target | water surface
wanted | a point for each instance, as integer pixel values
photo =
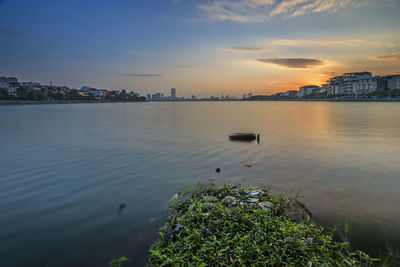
(66, 168)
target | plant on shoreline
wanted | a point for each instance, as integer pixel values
(242, 226)
(118, 262)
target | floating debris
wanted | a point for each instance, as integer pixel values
(242, 137)
(266, 205)
(228, 200)
(255, 192)
(246, 164)
(252, 200)
(218, 170)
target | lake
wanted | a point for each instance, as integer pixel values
(66, 168)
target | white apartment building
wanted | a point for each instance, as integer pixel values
(393, 82)
(364, 86)
(354, 84)
(307, 90)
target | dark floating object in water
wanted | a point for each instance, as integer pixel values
(246, 164)
(218, 170)
(122, 206)
(258, 138)
(242, 137)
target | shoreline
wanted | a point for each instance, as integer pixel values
(38, 102)
(28, 102)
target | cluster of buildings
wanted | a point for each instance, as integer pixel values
(160, 96)
(353, 84)
(172, 97)
(33, 91)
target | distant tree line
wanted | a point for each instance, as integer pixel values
(44, 94)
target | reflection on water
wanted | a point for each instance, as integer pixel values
(65, 169)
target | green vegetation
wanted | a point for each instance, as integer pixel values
(242, 226)
(118, 262)
(23, 93)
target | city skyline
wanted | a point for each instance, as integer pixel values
(201, 48)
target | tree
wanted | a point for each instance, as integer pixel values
(3, 93)
(22, 93)
(395, 93)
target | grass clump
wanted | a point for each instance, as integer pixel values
(242, 226)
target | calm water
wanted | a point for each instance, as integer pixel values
(66, 168)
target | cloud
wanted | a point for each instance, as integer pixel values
(236, 10)
(298, 63)
(391, 57)
(323, 43)
(260, 10)
(248, 49)
(149, 75)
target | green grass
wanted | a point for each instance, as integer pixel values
(206, 230)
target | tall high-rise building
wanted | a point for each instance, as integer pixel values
(173, 93)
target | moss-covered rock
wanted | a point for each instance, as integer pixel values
(242, 226)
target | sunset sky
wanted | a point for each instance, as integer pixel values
(199, 47)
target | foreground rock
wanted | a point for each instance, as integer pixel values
(242, 226)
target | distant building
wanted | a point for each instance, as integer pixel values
(290, 93)
(328, 89)
(8, 82)
(355, 84)
(156, 97)
(173, 93)
(30, 84)
(358, 83)
(308, 89)
(393, 82)
(148, 97)
(87, 88)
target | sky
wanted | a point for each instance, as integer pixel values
(199, 47)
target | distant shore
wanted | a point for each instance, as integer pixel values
(38, 102)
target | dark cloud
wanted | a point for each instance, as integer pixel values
(246, 49)
(141, 74)
(390, 57)
(298, 63)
